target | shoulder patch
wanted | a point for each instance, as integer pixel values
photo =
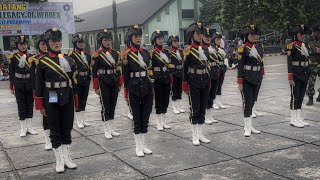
(240, 49)
(187, 50)
(125, 53)
(10, 56)
(289, 46)
(125, 62)
(96, 53)
(69, 53)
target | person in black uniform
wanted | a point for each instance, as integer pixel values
(250, 73)
(221, 54)
(21, 73)
(82, 60)
(196, 80)
(213, 67)
(137, 72)
(299, 73)
(41, 46)
(107, 80)
(56, 96)
(161, 74)
(176, 59)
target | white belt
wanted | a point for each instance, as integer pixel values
(197, 71)
(221, 63)
(176, 66)
(83, 73)
(22, 76)
(160, 69)
(138, 74)
(213, 64)
(300, 63)
(109, 71)
(56, 84)
(252, 68)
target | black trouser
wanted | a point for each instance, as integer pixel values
(108, 100)
(162, 96)
(257, 93)
(60, 120)
(83, 92)
(176, 88)
(25, 103)
(249, 94)
(212, 93)
(45, 123)
(198, 99)
(141, 108)
(297, 93)
(220, 82)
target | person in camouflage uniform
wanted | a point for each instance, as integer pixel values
(314, 51)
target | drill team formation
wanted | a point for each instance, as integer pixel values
(58, 84)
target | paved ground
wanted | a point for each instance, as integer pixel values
(280, 152)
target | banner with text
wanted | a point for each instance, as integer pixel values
(36, 18)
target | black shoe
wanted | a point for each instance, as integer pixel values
(318, 98)
(310, 101)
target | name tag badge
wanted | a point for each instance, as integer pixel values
(53, 97)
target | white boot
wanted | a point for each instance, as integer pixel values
(175, 109)
(207, 119)
(159, 122)
(113, 133)
(211, 112)
(67, 160)
(84, 118)
(163, 121)
(107, 132)
(79, 120)
(59, 159)
(253, 131)
(144, 147)
(219, 102)
(130, 116)
(48, 145)
(300, 119)
(247, 129)
(215, 106)
(294, 121)
(195, 135)
(139, 151)
(30, 128)
(255, 112)
(201, 136)
(180, 105)
(24, 130)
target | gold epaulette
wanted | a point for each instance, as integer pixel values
(240, 48)
(118, 52)
(125, 53)
(11, 56)
(151, 52)
(96, 53)
(289, 46)
(31, 59)
(69, 53)
(150, 72)
(186, 52)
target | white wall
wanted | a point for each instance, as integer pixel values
(187, 4)
(169, 22)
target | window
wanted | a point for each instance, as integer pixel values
(188, 13)
(120, 39)
(167, 11)
(91, 43)
(165, 36)
(159, 18)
